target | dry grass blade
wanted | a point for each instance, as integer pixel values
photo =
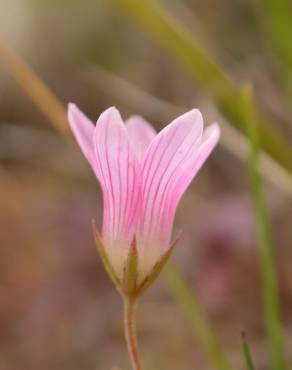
(35, 88)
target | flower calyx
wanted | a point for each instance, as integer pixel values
(129, 285)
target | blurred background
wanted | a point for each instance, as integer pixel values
(58, 309)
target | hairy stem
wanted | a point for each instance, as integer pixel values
(130, 332)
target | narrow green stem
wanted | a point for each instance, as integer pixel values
(247, 354)
(269, 276)
(130, 332)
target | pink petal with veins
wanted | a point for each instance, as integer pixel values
(119, 176)
(141, 134)
(164, 161)
(83, 130)
(186, 173)
(108, 149)
(164, 164)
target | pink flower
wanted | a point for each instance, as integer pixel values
(142, 176)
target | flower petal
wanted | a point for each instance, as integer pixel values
(163, 164)
(118, 173)
(210, 138)
(141, 134)
(185, 175)
(83, 130)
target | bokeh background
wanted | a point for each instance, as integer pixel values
(58, 309)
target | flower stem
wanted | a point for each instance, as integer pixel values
(130, 332)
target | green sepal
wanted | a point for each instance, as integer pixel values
(131, 269)
(104, 257)
(150, 279)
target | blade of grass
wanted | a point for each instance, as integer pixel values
(269, 277)
(35, 88)
(247, 353)
(198, 320)
(277, 20)
(182, 44)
